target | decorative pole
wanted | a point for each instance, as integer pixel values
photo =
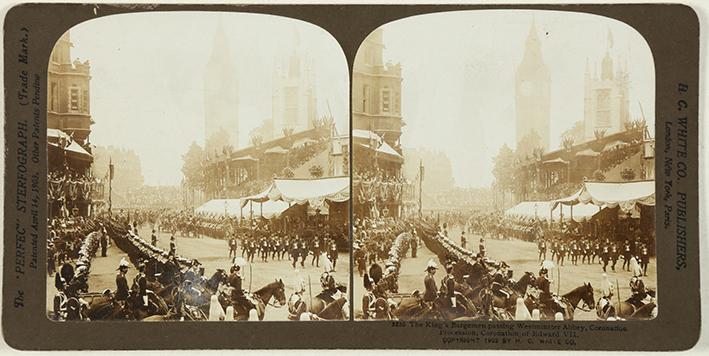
(110, 187)
(421, 172)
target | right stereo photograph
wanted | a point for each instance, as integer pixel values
(503, 168)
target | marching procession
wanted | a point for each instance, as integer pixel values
(168, 286)
(476, 286)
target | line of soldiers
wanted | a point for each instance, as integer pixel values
(586, 250)
(281, 247)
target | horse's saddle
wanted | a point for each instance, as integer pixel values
(326, 296)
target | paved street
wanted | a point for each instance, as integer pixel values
(213, 254)
(521, 256)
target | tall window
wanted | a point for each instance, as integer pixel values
(85, 101)
(397, 102)
(54, 97)
(74, 98)
(386, 100)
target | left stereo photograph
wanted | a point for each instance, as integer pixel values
(197, 172)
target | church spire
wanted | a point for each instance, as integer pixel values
(533, 47)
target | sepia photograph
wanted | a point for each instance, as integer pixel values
(503, 169)
(198, 169)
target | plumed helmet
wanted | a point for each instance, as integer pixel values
(123, 263)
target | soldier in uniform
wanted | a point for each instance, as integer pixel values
(232, 246)
(481, 247)
(303, 251)
(294, 252)
(542, 247)
(173, 246)
(251, 251)
(103, 240)
(561, 254)
(315, 250)
(244, 242)
(122, 291)
(430, 290)
(627, 253)
(154, 238)
(296, 302)
(605, 303)
(64, 276)
(448, 286)
(605, 255)
(276, 248)
(545, 296)
(644, 258)
(237, 294)
(614, 253)
(332, 254)
(574, 253)
(140, 284)
(637, 288)
(554, 249)
(285, 248)
(264, 249)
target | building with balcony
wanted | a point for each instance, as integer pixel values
(376, 92)
(68, 92)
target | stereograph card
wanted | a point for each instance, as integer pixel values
(351, 176)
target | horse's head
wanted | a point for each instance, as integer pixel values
(279, 292)
(587, 295)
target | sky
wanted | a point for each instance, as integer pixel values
(459, 77)
(147, 78)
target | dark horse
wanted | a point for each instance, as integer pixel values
(505, 298)
(105, 307)
(630, 307)
(569, 303)
(321, 301)
(337, 310)
(414, 308)
(262, 297)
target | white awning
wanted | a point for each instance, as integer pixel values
(300, 191)
(357, 133)
(76, 149)
(56, 134)
(612, 194)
